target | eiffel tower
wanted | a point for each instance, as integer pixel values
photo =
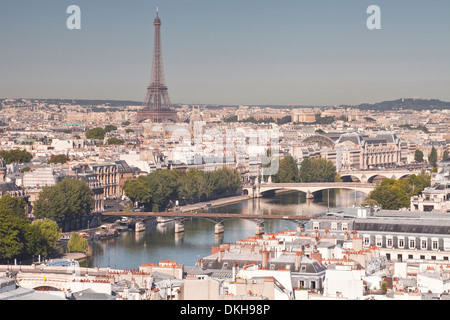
(157, 106)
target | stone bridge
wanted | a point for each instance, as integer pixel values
(362, 181)
(372, 175)
(256, 191)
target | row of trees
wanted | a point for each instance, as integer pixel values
(16, 155)
(159, 189)
(99, 133)
(21, 238)
(432, 157)
(279, 121)
(394, 194)
(65, 202)
(311, 170)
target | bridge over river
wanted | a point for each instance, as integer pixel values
(217, 218)
(310, 189)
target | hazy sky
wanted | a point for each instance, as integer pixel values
(307, 52)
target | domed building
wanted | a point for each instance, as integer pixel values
(352, 137)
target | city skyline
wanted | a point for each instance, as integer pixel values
(288, 52)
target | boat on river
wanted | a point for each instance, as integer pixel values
(163, 220)
(139, 226)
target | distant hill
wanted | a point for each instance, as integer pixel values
(407, 103)
(412, 104)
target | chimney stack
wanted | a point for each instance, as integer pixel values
(298, 259)
(316, 255)
(265, 258)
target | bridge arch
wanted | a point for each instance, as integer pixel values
(376, 178)
(350, 178)
(405, 176)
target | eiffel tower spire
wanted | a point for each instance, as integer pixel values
(157, 106)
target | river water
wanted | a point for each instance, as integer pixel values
(160, 242)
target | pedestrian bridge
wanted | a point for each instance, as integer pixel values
(309, 188)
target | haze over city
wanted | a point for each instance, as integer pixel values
(233, 52)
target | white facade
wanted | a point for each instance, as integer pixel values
(344, 282)
(434, 281)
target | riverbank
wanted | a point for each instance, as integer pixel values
(213, 203)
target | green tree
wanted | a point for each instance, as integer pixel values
(77, 243)
(17, 205)
(285, 119)
(158, 189)
(16, 156)
(110, 127)
(68, 200)
(445, 155)
(164, 185)
(43, 237)
(193, 186)
(115, 141)
(96, 133)
(317, 170)
(19, 238)
(390, 195)
(59, 158)
(418, 156)
(138, 190)
(287, 171)
(394, 194)
(12, 234)
(432, 157)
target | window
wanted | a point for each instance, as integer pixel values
(366, 241)
(345, 226)
(316, 225)
(423, 243)
(379, 241)
(334, 226)
(412, 243)
(389, 242)
(434, 244)
(447, 244)
(401, 242)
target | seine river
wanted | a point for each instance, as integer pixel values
(159, 242)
